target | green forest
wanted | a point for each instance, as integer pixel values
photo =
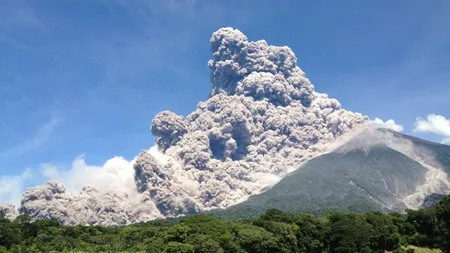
(274, 231)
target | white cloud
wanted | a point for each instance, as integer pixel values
(12, 187)
(434, 123)
(116, 174)
(389, 124)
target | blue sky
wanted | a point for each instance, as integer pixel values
(86, 77)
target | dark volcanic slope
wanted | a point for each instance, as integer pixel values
(354, 180)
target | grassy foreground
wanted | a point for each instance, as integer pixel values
(419, 250)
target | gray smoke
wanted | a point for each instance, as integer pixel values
(90, 207)
(9, 211)
(169, 128)
(261, 120)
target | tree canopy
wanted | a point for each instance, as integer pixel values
(274, 231)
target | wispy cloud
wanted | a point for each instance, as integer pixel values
(12, 187)
(18, 19)
(36, 142)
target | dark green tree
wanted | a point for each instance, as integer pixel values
(443, 217)
(349, 233)
(256, 240)
(10, 233)
(205, 244)
(312, 234)
(384, 234)
(176, 247)
(425, 225)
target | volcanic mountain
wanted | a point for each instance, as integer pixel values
(375, 169)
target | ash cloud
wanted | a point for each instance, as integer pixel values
(262, 119)
(9, 211)
(89, 207)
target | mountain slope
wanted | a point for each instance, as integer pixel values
(381, 170)
(440, 152)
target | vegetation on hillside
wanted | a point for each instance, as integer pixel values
(274, 231)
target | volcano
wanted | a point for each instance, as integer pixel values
(373, 170)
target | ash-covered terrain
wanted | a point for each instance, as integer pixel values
(262, 119)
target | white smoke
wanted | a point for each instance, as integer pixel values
(262, 119)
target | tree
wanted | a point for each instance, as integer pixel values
(349, 233)
(313, 233)
(277, 215)
(443, 211)
(9, 234)
(178, 233)
(202, 224)
(205, 244)
(176, 247)
(443, 217)
(254, 239)
(283, 232)
(155, 245)
(426, 227)
(384, 235)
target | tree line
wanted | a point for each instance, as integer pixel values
(274, 231)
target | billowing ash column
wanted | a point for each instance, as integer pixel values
(168, 129)
(256, 69)
(261, 120)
